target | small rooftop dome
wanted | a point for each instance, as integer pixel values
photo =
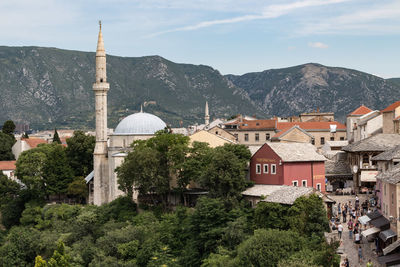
(139, 124)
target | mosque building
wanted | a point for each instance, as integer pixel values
(111, 149)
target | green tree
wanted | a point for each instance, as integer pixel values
(153, 164)
(6, 143)
(56, 138)
(40, 262)
(78, 189)
(268, 247)
(59, 258)
(225, 173)
(29, 169)
(9, 128)
(271, 216)
(195, 163)
(80, 153)
(9, 189)
(57, 174)
(308, 216)
(207, 225)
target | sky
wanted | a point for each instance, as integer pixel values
(234, 37)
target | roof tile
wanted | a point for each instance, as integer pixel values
(7, 165)
(361, 110)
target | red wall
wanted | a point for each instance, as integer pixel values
(265, 155)
(286, 172)
(305, 171)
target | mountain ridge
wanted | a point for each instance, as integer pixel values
(52, 87)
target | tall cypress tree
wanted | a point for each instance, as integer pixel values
(56, 138)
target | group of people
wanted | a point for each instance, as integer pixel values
(349, 216)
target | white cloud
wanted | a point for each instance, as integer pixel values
(268, 12)
(318, 45)
(376, 19)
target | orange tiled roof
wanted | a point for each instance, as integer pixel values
(361, 110)
(311, 125)
(278, 134)
(392, 107)
(255, 124)
(34, 142)
(7, 165)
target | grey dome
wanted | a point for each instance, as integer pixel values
(139, 123)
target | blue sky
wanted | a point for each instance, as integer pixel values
(232, 36)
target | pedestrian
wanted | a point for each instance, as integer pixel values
(360, 254)
(344, 215)
(357, 237)
(340, 230)
(369, 263)
(339, 209)
(350, 227)
(346, 263)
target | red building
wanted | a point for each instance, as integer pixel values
(296, 164)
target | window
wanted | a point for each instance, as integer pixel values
(313, 141)
(273, 168)
(267, 136)
(341, 138)
(322, 140)
(216, 132)
(246, 137)
(392, 198)
(295, 183)
(257, 137)
(384, 190)
(332, 138)
(319, 187)
(304, 183)
(265, 168)
(258, 168)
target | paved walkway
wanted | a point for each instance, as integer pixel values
(348, 248)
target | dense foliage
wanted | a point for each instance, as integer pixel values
(7, 140)
(115, 235)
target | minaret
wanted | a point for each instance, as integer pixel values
(207, 115)
(100, 162)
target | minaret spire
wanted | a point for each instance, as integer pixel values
(100, 162)
(207, 115)
(141, 108)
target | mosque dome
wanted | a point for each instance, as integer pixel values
(139, 124)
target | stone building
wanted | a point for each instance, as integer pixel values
(252, 132)
(361, 153)
(293, 134)
(24, 144)
(391, 118)
(352, 118)
(111, 150)
(321, 131)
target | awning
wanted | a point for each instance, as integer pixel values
(391, 247)
(373, 215)
(364, 219)
(385, 235)
(389, 259)
(368, 176)
(370, 231)
(89, 177)
(381, 222)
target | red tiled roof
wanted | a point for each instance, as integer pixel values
(278, 134)
(34, 142)
(7, 165)
(392, 107)
(311, 125)
(255, 124)
(361, 110)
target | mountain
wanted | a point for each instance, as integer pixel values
(50, 87)
(304, 88)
